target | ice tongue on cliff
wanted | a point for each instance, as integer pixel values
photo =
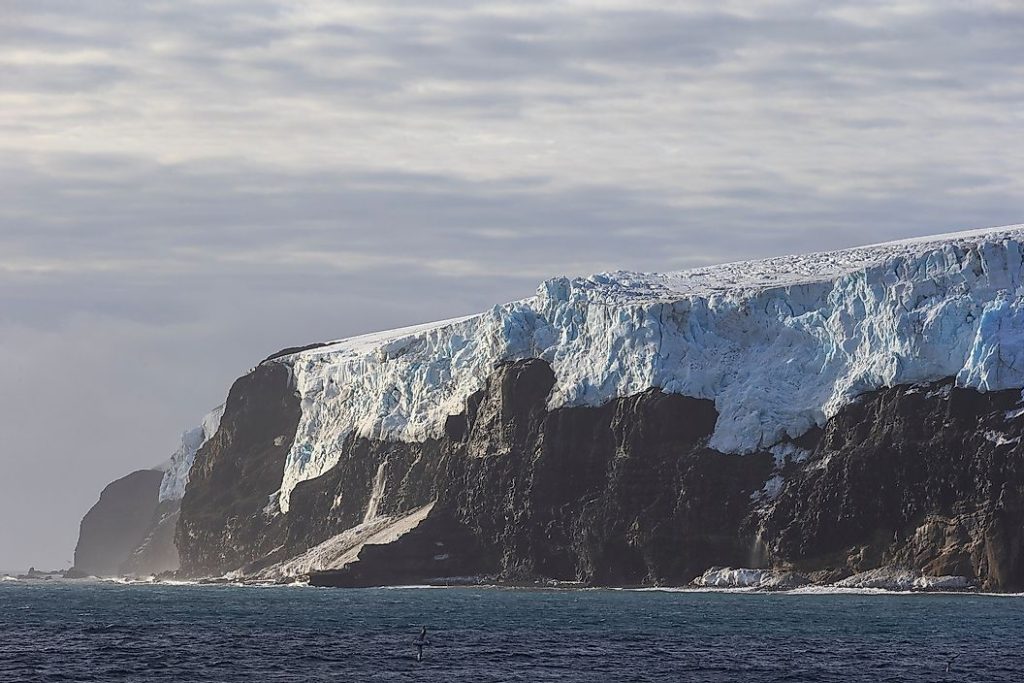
(779, 344)
(176, 469)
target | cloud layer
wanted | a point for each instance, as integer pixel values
(187, 186)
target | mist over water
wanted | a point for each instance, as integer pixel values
(56, 631)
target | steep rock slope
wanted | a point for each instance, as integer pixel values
(157, 552)
(118, 523)
(928, 477)
(225, 512)
(607, 495)
(110, 541)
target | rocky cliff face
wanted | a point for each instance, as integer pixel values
(226, 518)
(157, 553)
(924, 477)
(117, 524)
(131, 530)
(927, 477)
(824, 415)
(624, 493)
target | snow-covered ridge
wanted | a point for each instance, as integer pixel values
(172, 486)
(779, 344)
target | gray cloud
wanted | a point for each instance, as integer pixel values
(188, 186)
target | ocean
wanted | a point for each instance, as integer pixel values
(81, 631)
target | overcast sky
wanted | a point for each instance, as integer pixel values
(187, 186)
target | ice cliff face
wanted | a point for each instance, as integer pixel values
(172, 486)
(779, 345)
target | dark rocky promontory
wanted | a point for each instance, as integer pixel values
(117, 524)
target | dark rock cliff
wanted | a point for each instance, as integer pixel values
(224, 520)
(157, 553)
(927, 478)
(930, 478)
(117, 524)
(624, 493)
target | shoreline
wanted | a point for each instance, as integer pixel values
(822, 590)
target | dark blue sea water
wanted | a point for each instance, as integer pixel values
(108, 632)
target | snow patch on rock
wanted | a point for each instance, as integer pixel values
(1013, 414)
(771, 489)
(894, 579)
(779, 344)
(787, 452)
(942, 583)
(1000, 439)
(343, 549)
(376, 493)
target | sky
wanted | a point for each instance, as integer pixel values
(188, 186)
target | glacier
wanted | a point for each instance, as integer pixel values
(177, 468)
(778, 344)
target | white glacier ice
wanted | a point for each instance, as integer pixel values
(728, 577)
(778, 344)
(172, 486)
